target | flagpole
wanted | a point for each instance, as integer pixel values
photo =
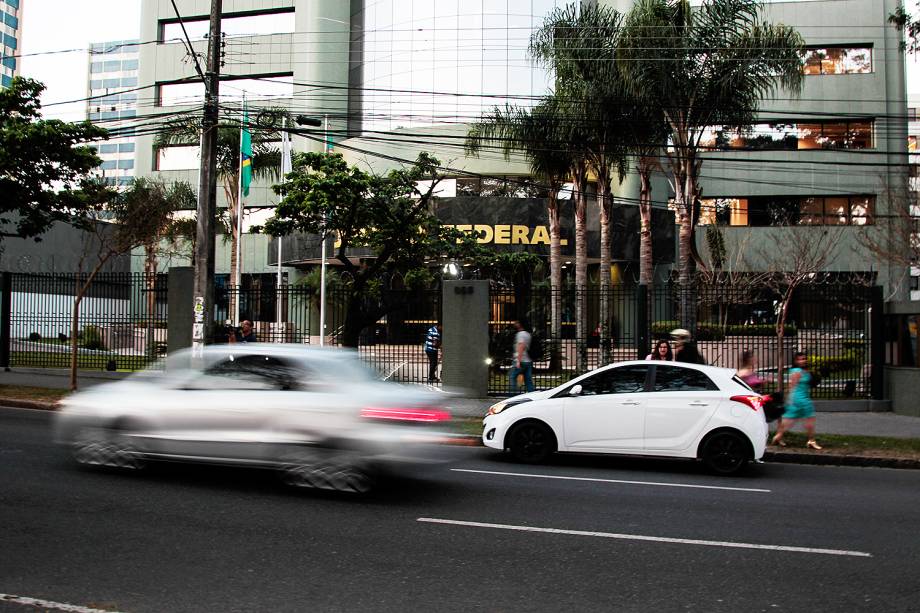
(322, 265)
(239, 229)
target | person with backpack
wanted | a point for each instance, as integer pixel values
(432, 348)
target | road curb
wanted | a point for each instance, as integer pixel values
(783, 457)
(20, 403)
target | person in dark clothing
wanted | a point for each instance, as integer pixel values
(684, 348)
(432, 347)
(243, 334)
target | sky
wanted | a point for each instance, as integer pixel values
(54, 25)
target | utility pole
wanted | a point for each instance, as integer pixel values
(207, 189)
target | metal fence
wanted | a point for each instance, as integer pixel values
(831, 323)
(394, 345)
(121, 324)
(278, 314)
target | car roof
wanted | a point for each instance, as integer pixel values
(290, 350)
(717, 371)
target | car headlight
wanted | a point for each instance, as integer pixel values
(498, 407)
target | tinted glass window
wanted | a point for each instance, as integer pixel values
(623, 380)
(258, 372)
(677, 379)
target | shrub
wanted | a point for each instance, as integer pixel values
(91, 338)
(854, 344)
(827, 365)
(35, 336)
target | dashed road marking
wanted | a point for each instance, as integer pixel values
(622, 481)
(50, 604)
(656, 539)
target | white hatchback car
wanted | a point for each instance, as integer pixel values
(650, 408)
(319, 416)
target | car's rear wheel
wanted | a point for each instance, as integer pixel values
(107, 448)
(326, 469)
(726, 453)
(531, 442)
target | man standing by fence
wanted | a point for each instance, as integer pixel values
(432, 346)
(521, 362)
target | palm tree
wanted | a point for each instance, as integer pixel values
(538, 133)
(579, 43)
(703, 66)
(266, 161)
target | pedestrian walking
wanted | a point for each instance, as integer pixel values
(432, 348)
(799, 406)
(747, 372)
(684, 348)
(521, 363)
(244, 334)
(661, 351)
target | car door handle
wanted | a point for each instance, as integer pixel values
(629, 402)
(699, 404)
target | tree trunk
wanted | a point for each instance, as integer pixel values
(150, 276)
(604, 208)
(780, 337)
(646, 261)
(581, 267)
(75, 320)
(555, 279)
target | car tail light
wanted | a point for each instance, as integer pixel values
(755, 402)
(416, 414)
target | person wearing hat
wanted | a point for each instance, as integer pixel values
(684, 348)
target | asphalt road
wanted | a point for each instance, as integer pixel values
(613, 535)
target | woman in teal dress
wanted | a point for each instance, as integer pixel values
(798, 404)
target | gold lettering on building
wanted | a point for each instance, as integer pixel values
(502, 234)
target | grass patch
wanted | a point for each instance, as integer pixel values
(882, 446)
(467, 425)
(47, 359)
(24, 392)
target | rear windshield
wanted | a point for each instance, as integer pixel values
(740, 382)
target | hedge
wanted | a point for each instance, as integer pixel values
(826, 365)
(714, 332)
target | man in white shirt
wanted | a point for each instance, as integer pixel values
(521, 364)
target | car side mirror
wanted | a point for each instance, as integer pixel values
(575, 391)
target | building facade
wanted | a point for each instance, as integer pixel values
(112, 102)
(392, 78)
(10, 29)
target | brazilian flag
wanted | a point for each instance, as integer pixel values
(245, 154)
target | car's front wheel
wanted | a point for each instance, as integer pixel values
(531, 442)
(726, 453)
(108, 448)
(326, 469)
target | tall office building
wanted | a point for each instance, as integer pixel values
(112, 100)
(10, 28)
(395, 77)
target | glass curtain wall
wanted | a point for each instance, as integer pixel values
(429, 63)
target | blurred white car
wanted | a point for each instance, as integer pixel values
(649, 408)
(318, 415)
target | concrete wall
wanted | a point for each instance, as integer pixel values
(901, 385)
(465, 339)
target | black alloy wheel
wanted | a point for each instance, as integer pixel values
(726, 453)
(531, 443)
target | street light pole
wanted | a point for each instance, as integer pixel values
(207, 189)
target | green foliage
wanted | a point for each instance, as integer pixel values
(715, 332)
(418, 278)
(827, 365)
(44, 165)
(91, 338)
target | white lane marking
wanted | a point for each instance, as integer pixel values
(662, 484)
(49, 604)
(657, 539)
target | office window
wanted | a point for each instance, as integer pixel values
(129, 65)
(838, 60)
(10, 62)
(11, 21)
(762, 211)
(126, 148)
(96, 67)
(108, 148)
(247, 25)
(95, 84)
(108, 165)
(111, 83)
(856, 134)
(126, 164)
(192, 92)
(112, 65)
(177, 158)
(9, 41)
(129, 82)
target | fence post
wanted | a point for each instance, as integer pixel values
(465, 311)
(6, 315)
(179, 315)
(877, 338)
(642, 319)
